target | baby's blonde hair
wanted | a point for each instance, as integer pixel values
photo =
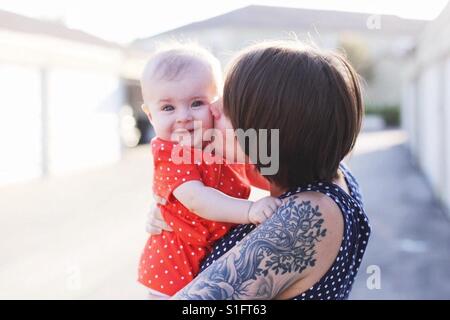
(172, 59)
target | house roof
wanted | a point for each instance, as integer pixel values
(257, 16)
(19, 23)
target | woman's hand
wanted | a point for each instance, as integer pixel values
(155, 222)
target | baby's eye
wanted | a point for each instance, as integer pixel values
(168, 107)
(197, 103)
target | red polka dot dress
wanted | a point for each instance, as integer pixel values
(171, 260)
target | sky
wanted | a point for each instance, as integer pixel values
(125, 20)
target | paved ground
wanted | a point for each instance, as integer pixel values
(410, 241)
(79, 236)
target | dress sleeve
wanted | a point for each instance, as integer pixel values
(170, 173)
(250, 175)
(255, 178)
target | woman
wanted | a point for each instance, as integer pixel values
(312, 247)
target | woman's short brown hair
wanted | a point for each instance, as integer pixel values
(312, 97)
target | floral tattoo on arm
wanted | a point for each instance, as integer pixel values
(283, 245)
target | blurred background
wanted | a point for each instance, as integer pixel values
(75, 168)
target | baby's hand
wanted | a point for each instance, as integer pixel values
(263, 209)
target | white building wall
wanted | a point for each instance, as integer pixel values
(83, 119)
(20, 123)
(430, 65)
(431, 144)
(446, 132)
(409, 114)
(59, 105)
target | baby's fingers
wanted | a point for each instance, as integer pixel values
(274, 204)
(268, 212)
(258, 218)
(273, 207)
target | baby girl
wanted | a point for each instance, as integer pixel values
(200, 200)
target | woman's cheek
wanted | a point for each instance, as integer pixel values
(218, 123)
(219, 140)
(206, 118)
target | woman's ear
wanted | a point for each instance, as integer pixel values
(146, 110)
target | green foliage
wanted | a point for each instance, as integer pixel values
(357, 52)
(390, 113)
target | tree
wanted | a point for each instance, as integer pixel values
(357, 52)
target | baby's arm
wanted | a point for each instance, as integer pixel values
(211, 204)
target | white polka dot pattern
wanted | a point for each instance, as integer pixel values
(337, 282)
(170, 260)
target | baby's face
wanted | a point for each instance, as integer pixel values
(179, 108)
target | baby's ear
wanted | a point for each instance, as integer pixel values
(146, 110)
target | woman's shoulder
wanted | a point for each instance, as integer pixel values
(318, 215)
(317, 225)
(322, 205)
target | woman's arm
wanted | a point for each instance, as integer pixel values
(296, 241)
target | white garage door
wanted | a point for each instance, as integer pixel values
(83, 120)
(432, 142)
(20, 123)
(447, 132)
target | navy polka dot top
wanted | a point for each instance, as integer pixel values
(338, 280)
